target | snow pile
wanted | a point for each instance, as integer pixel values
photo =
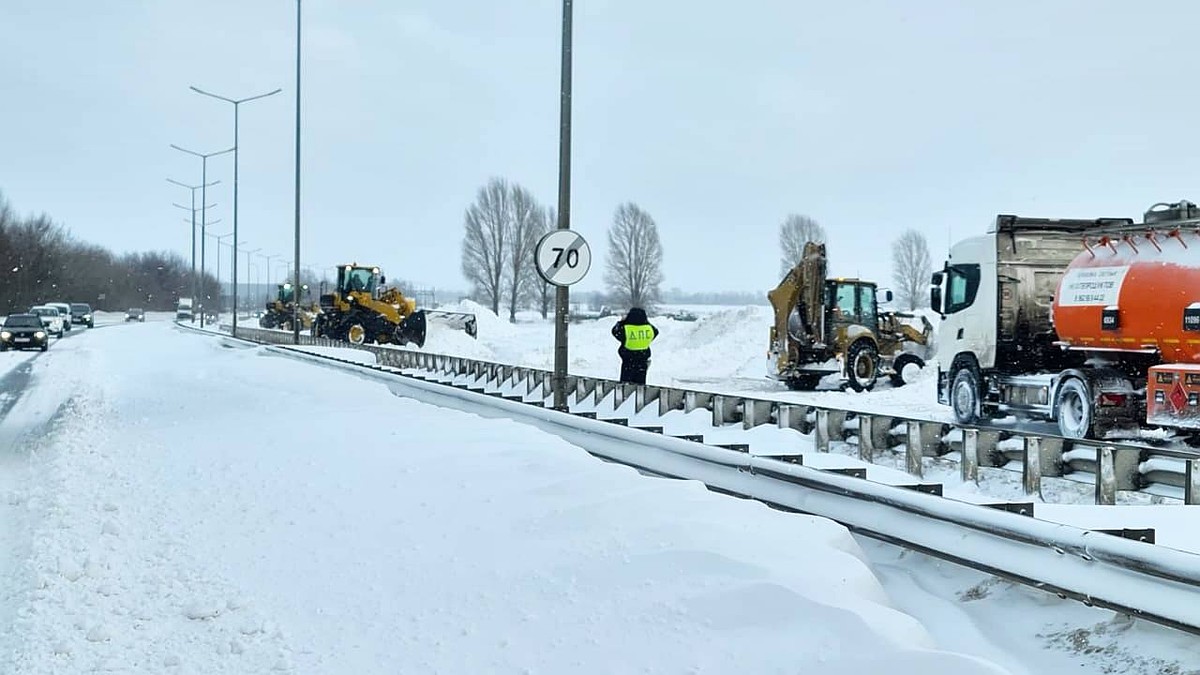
(188, 527)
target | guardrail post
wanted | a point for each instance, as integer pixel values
(725, 409)
(670, 399)
(755, 412)
(1031, 466)
(791, 416)
(584, 387)
(914, 450)
(821, 431)
(866, 438)
(603, 389)
(837, 425)
(643, 396)
(1106, 476)
(1191, 482)
(968, 463)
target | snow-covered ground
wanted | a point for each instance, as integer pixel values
(172, 502)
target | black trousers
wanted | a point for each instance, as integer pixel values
(634, 367)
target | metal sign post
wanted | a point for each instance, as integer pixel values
(563, 295)
(563, 258)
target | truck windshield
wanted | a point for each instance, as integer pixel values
(80, 307)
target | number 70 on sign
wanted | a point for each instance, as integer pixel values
(563, 257)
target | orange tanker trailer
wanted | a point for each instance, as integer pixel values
(1096, 323)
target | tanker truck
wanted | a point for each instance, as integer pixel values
(1093, 324)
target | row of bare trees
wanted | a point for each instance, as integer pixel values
(501, 230)
(911, 262)
(41, 262)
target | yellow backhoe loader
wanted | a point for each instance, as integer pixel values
(834, 326)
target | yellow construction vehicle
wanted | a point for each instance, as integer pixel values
(282, 309)
(827, 326)
(361, 309)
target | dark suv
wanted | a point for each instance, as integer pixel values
(81, 312)
(24, 331)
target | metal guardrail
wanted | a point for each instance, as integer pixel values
(1129, 576)
(1109, 467)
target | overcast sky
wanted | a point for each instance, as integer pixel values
(716, 118)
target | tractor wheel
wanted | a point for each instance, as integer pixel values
(902, 362)
(862, 365)
(356, 334)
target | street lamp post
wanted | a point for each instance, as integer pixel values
(248, 254)
(563, 299)
(193, 189)
(220, 241)
(236, 104)
(296, 311)
(203, 212)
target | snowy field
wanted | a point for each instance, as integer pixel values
(171, 503)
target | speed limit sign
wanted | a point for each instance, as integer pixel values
(563, 257)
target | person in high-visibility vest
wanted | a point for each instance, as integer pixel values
(635, 333)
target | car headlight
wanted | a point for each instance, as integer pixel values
(39, 335)
(5, 335)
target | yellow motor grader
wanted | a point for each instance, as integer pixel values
(282, 309)
(834, 326)
(362, 309)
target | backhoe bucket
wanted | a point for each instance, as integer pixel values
(411, 329)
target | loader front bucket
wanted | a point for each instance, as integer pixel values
(411, 329)
(464, 321)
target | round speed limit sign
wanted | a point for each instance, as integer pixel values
(563, 257)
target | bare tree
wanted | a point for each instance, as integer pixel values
(484, 253)
(545, 289)
(527, 222)
(911, 268)
(795, 231)
(634, 270)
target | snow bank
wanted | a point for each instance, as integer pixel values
(249, 515)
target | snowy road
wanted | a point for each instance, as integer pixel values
(189, 506)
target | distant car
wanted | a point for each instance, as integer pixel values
(65, 311)
(135, 314)
(24, 331)
(81, 313)
(51, 319)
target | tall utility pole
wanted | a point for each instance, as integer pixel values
(563, 294)
(236, 103)
(193, 189)
(203, 211)
(248, 254)
(220, 241)
(296, 305)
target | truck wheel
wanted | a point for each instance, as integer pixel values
(904, 361)
(862, 365)
(964, 396)
(1076, 409)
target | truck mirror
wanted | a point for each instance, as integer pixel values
(887, 296)
(935, 292)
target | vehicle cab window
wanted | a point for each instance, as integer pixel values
(866, 304)
(962, 283)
